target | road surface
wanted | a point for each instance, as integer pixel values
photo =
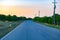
(29, 30)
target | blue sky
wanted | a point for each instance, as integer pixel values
(28, 2)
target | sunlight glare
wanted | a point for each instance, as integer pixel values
(8, 3)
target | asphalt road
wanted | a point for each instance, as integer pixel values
(29, 30)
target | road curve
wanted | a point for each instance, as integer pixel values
(29, 30)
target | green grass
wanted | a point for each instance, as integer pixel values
(53, 26)
(5, 28)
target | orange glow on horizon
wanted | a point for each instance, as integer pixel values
(25, 11)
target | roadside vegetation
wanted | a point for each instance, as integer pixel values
(8, 23)
(53, 26)
(49, 21)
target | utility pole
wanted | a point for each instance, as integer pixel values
(39, 13)
(54, 16)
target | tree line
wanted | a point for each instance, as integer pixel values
(45, 19)
(48, 20)
(11, 18)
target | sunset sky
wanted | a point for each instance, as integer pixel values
(28, 8)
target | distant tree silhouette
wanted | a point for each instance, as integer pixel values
(29, 18)
(21, 18)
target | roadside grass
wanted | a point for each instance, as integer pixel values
(5, 28)
(52, 25)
